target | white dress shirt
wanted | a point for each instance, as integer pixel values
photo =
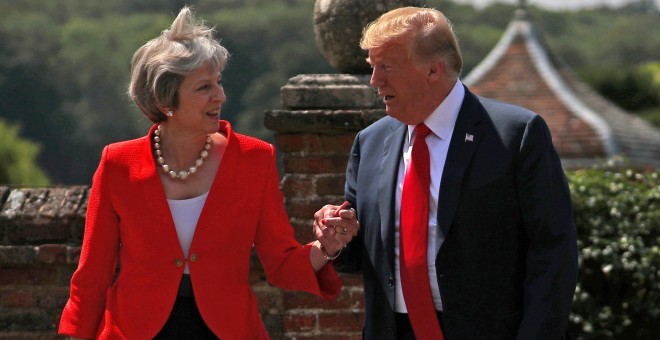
(441, 123)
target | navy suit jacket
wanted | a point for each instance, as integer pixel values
(508, 265)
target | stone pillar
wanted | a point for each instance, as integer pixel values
(314, 132)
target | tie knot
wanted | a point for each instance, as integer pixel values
(422, 130)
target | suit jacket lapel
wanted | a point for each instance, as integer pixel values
(389, 167)
(464, 141)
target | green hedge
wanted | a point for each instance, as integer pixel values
(617, 214)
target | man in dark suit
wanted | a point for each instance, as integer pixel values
(500, 241)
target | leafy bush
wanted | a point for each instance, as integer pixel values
(617, 213)
(18, 155)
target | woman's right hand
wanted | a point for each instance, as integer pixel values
(335, 227)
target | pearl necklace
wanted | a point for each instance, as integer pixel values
(183, 174)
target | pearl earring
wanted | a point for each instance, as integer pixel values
(170, 113)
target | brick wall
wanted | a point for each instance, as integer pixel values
(40, 235)
(41, 228)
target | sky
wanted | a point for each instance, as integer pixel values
(557, 4)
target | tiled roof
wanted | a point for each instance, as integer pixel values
(586, 128)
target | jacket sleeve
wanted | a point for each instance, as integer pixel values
(546, 207)
(349, 261)
(98, 258)
(285, 261)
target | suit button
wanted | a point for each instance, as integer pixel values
(391, 281)
(178, 262)
(193, 258)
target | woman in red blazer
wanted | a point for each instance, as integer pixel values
(180, 209)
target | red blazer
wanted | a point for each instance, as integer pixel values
(128, 220)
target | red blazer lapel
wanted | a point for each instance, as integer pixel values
(220, 200)
(151, 195)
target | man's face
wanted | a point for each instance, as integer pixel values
(403, 85)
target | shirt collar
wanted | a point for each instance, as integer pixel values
(442, 120)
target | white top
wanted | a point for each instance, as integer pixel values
(441, 123)
(185, 214)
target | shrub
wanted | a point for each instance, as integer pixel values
(18, 164)
(617, 215)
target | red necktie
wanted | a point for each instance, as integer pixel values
(413, 237)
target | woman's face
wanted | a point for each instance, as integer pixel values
(200, 99)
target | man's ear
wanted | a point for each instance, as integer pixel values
(436, 70)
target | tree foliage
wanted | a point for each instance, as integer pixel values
(64, 64)
(18, 155)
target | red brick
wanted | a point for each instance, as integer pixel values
(37, 231)
(341, 321)
(315, 164)
(52, 253)
(17, 255)
(24, 335)
(323, 336)
(291, 142)
(51, 297)
(341, 143)
(30, 276)
(25, 319)
(15, 298)
(352, 280)
(269, 297)
(299, 322)
(357, 299)
(332, 184)
(299, 300)
(305, 208)
(302, 229)
(297, 143)
(297, 185)
(313, 142)
(64, 274)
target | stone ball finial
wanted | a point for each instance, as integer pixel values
(338, 26)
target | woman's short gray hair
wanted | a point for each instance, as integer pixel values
(160, 65)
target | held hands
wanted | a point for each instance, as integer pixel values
(334, 227)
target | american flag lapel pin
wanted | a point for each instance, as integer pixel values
(469, 137)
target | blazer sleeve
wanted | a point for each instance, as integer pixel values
(546, 207)
(350, 260)
(285, 261)
(98, 258)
